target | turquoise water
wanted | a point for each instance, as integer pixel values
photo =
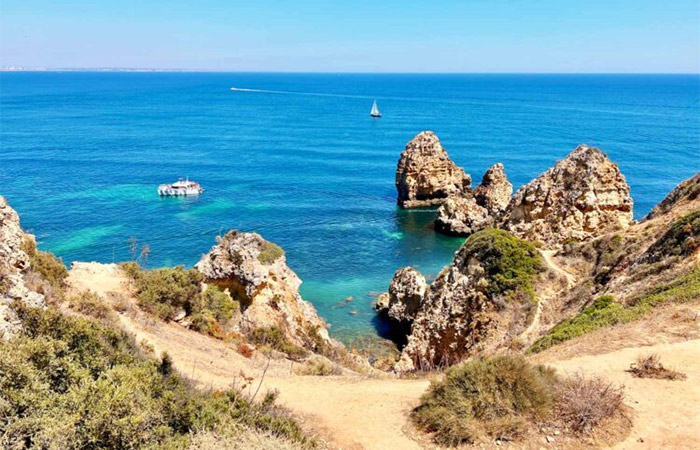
(305, 166)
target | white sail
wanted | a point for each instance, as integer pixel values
(375, 110)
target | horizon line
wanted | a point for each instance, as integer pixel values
(11, 69)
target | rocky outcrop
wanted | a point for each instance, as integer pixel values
(256, 274)
(495, 190)
(464, 215)
(475, 302)
(426, 175)
(687, 191)
(14, 265)
(582, 196)
(405, 297)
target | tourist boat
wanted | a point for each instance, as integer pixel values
(180, 188)
(375, 111)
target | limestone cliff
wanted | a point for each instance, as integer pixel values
(426, 175)
(14, 266)
(582, 196)
(255, 272)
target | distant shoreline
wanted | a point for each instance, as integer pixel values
(16, 69)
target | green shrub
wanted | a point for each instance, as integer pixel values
(511, 263)
(72, 383)
(275, 338)
(269, 253)
(50, 268)
(164, 291)
(486, 396)
(606, 312)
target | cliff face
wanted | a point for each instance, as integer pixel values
(582, 196)
(426, 175)
(255, 272)
(14, 265)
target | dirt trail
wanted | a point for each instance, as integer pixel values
(548, 256)
(355, 412)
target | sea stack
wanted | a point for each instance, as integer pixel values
(426, 176)
(582, 196)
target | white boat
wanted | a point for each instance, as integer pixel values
(180, 188)
(375, 111)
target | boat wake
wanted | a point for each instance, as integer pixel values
(315, 94)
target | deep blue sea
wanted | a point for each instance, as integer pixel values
(81, 155)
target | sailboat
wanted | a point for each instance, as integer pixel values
(375, 111)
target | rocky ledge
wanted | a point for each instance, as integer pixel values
(256, 274)
(14, 266)
(426, 176)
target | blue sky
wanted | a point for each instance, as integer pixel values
(355, 36)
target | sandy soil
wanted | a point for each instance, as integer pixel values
(355, 412)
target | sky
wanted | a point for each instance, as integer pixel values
(544, 36)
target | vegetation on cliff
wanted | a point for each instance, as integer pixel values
(73, 383)
(46, 266)
(605, 311)
(510, 263)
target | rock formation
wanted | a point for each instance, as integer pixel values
(495, 190)
(256, 274)
(406, 292)
(426, 175)
(14, 264)
(582, 196)
(464, 215)
(470, 305)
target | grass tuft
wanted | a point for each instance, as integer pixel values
(269, 252)
(650, 366)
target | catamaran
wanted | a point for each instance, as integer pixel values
(180, 188)
(375, 111)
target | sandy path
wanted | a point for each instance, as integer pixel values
(666, 413)
(548, 256)
(350, 412)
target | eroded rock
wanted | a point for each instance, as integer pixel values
(426, 175)
(14, 265)
(256, 273)
(406, 292)
(582, 196)
(462, 216)
(495, 190)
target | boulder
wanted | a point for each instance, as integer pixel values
(14, 265)
(426, 176)
(256, 273)
(582, 196)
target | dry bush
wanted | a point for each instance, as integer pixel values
(650, 366)
(119, 302)
(91, 304)
(582, 403)
(246, 350)
(320, 367)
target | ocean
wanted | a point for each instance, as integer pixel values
(296, 158)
